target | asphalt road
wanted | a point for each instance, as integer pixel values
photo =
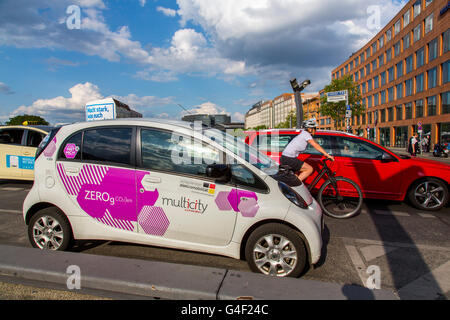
(409, 248)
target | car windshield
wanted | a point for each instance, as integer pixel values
(238, 146)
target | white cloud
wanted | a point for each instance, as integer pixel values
(206, 108)
(142, 2)
(4, 88)
(167, 11)
(238, 117)
(71, 109)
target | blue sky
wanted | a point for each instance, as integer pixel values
(207, 55)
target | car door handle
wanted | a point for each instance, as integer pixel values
(26, 153)
(153, 180)
(72, 170)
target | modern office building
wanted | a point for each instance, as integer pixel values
(209, 120)
(403, 74)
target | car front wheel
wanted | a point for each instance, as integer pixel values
(429, 194)
(276, 250)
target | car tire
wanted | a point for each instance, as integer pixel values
(49, 229)
(276, 250)
(428, 194)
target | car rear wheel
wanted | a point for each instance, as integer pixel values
(429, 194)
(276, 250)
(49, 229)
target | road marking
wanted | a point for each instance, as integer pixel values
(11, 189)
(433, 284)
(358, 263)
(10, 211)
(391, 213)
(375, 251)
(426, 215)
(349, 241)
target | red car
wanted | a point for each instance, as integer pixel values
(380, 173)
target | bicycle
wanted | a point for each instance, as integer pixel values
(338, 197)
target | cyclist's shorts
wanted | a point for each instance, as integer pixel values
(294, 163)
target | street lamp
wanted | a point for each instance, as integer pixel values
(298, 98)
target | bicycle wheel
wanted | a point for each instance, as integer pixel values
(341, 200)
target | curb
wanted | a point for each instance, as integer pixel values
(171, 281)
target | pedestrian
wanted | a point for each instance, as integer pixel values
(425, 143)
(413, 144)
(429, 143)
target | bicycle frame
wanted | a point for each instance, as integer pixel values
(325, 171)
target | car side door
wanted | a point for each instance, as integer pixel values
(32, 140)
(176, 199)
(364, 163)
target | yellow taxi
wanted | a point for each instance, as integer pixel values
(18, 146)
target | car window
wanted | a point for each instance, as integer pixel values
(34, 138)
(110, 145)
(165, 151)
(354, 148)
(11, 136)
(272, 143)
(324, 141)
(71, 148)
(243, 177)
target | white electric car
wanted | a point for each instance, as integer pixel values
(170, 184)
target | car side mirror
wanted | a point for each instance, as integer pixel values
(386, 157)
(219, 172)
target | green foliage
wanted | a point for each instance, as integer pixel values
(263, 127)
(32, 120)
(337, 110)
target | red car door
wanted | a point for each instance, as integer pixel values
(362, 162)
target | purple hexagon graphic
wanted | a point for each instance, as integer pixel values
(234, 198)
(153, 221)
(248, 207)
(222, 201)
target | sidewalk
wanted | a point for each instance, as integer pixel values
(168, 280)
(426, 155)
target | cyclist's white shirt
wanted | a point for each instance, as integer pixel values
(297, 145)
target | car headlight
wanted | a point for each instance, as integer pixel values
(293, 196)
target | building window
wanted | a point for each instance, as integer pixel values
(406, 18)
(391, 114)
(374, 65)
(383, 97)
(367, 70)
(381, 60)
(432, 78)
(409, 64)
(408, 87)
(388, 55)
(374, 47)
(391, 74)
(383, 78)
(397, 48)
(369, 101)
(432, 50)
(398, 113)
(419, 108)
(368, 53)
(446, 102)
(369, 85)
(420, 55)
(363, 88)
(363, 119)
(375, 99)
(417, 8)
(391, 94)
(408, 111)
(399, 89)
(431, 106)
(429, 23)
(376, 82)
(381, 42)
(419, 83)
(446, 38)
(361, 57)
(406, 41)
(397, 27)
(388, 35)
(399, 67)
(445, 72)
(417, 32)
(428, 2)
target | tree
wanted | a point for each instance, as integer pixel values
(291, 121)
(262, 127)
(337, 110)
(34, 120)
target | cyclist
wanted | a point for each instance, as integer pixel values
(297, 146)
